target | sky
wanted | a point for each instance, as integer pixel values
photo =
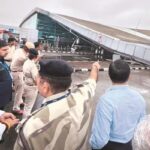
(124, 13)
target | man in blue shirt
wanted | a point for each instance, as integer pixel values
(118, 112)
(5, 77)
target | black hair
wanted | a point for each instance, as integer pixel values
(119, 71)
(3, 43)
(57, 85)
(32, 53)
(36, 44)
(11, 39)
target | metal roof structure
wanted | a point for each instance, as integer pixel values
(127, 42)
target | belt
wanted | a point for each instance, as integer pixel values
(7, 60)
(16, 71)
(30, 84)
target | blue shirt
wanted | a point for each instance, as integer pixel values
(117, 114)
(5, 84)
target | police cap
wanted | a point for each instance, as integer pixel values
(55, 69)
(29, 45)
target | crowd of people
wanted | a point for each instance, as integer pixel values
(62, 122)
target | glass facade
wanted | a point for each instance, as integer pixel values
(53, 33)
(56, 36)
(59, 36)
(31, 23)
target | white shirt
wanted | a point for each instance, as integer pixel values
(19, 57)
(2, 126)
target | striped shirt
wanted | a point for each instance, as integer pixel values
(62, 125)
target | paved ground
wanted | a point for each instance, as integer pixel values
(140, 80)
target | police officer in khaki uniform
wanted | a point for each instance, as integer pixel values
(20, 56)
(30, 72)
(62, 123)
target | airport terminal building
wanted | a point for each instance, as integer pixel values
(64, 32)
(55, 33)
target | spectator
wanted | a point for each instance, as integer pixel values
(39, 48)
(118, 112)
(11, 50)
(30, 72)
(20, 56)
(5, 77)
(63, 121)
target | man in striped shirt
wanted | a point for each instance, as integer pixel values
(62, 122)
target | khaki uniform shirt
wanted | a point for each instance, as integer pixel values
(61, 125)
(30, 72)
(18, 60)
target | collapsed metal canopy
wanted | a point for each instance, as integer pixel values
(123, 41)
